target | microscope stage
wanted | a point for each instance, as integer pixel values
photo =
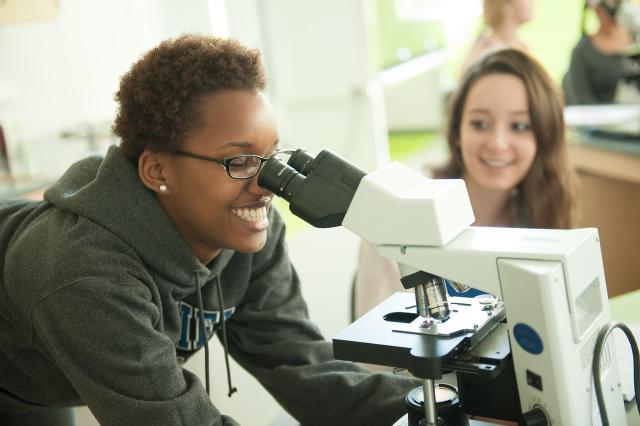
(391, 334)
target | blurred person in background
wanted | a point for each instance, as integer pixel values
(501, 21)
(599, 61)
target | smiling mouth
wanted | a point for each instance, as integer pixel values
(498, 163)
(251, 214)
(254, 213)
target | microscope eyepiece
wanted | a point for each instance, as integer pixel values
(301, 160)
(280, 178)
(319, 189)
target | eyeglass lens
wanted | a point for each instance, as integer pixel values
(245, 166)
(248, 165)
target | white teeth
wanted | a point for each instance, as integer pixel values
(251, 215)
(498, 163)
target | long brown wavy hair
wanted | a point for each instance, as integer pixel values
(546, 197)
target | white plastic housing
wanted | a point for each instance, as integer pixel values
(397, 205)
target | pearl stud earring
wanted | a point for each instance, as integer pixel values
(163, 188)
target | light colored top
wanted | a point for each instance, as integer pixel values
(487, 43)
(377, 279)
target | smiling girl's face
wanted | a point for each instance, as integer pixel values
(211, 210)
(497, 143)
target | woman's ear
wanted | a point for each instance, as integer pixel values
(151, 172)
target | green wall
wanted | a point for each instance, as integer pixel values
(553, 32)
(390, 33)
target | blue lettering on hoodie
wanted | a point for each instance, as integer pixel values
(191, 337)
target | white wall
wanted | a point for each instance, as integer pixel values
(321, 77)
(414, 93)
(60, 73)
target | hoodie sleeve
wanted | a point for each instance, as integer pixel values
(102, 336)
(272, 337)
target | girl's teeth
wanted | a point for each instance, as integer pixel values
(251, 215)
(497, 163)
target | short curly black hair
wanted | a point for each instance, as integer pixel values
(158, 97)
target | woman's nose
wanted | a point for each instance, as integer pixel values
(254, 188)
(499, 138)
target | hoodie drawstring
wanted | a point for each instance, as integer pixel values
(203, 331)
(224, 338)
(206, 340)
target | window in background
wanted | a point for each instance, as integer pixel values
(456, 17)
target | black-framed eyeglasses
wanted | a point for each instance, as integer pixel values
(240, 166)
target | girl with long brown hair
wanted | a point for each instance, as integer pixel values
(545, 196)
(506, 137)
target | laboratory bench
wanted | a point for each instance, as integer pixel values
(609, 199)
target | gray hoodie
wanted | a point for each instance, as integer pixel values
(98, 307)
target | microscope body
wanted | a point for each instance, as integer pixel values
(550, 284)
(554, 294)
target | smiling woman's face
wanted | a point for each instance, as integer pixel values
(211, 210)
(497, 143)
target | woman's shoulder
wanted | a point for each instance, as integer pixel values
(482, 43)
(493, 41)
(487, 41)
(486, 38)
(586, 45)
(600, 45)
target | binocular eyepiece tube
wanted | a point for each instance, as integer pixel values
(301, 161)
(280, 178)
(285, 179)
(319, 188)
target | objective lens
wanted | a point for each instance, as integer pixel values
(301, 161)
(437, 299)
(280, 178)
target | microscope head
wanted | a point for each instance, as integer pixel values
(391, 205)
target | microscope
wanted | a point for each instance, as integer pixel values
(523, 353)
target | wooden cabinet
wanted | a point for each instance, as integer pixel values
(609, 176)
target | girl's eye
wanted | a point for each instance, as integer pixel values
(239, 161)
(521, 127)
(479, 124)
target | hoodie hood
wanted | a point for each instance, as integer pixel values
(96, 187)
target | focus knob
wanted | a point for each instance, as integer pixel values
(535, 417)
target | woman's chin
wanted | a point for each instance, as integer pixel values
(253, 244)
